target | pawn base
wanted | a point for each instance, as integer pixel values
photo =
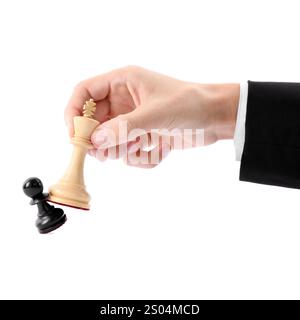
(57, 225)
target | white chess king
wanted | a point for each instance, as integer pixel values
(70, 189)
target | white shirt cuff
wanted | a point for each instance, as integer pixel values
(239, 133)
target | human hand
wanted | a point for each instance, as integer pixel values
(139, 109)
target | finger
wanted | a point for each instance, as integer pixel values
(96, 88)
(125, 128)
(101, 154)
(148, 159)
(120, 151)
(116, 152)
(92, 152)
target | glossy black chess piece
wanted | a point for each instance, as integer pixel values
(49, 217)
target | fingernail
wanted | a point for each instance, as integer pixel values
(92, 152)
(99, 138)
(101, 154)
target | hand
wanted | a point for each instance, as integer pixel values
(183, 114)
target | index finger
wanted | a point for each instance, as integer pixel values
(96, 88)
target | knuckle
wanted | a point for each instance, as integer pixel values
(133, 69)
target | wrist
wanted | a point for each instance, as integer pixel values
(222, 101)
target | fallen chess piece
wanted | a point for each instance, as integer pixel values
(49, 217)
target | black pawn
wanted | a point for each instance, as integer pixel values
(49, 217)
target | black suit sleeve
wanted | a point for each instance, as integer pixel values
(271, 153)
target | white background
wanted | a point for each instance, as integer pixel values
(187, 229)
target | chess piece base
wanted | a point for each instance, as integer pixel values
(57, 225)
(71, 195)
(69, 203)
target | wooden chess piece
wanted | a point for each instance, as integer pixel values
(49, 217)
(70, 189)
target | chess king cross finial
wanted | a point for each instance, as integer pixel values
(70, 190)
(89, 109)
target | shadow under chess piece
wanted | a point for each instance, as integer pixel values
(49, 217)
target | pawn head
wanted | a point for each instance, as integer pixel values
(33, 187)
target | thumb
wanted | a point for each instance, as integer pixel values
(123, 128)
